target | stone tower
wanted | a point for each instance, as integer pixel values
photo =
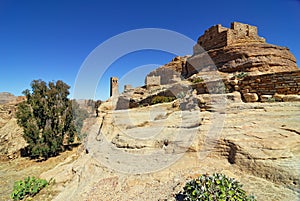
(114, 86)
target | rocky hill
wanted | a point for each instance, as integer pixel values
(11, 140)
(239, 49)
(190, 118)
(229, 50)
(149, 153)
(6, 97)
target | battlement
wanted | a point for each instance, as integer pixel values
(218, 36)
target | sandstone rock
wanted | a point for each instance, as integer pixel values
(291, 97)
(11, 140)
(250, 97)
(249, 148)
(239, 52)
(171, 72)
(6, 97)
(266, 98)
(278, 97)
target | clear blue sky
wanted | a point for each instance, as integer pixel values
(50, 40)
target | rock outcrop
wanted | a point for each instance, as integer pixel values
(6, 97)
(238, 49)
(249, 148)
(11, 140)
(170, 72)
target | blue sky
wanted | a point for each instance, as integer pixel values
(50, 40)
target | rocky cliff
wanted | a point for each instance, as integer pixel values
(11, 140)
(229, 50)
(238, 49)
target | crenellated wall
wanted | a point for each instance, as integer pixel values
(218, 36)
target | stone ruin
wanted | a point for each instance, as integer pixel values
(114, 86)
(237, 49)
(218, 36)
(242, 61)
(153, 80)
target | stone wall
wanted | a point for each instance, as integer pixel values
(269, 84)
(282, 86)
(152, 80)
(218, 36)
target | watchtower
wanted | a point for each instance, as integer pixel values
(114, 86)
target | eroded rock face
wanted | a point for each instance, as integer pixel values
(258, 145)
(11, 140)
(238, 49)
(170, 72)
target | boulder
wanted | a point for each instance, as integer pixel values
(250, 97)
(266, 98)
(291, 97)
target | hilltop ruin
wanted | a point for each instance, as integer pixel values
(236, 58)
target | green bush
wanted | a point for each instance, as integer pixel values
(161, 99)
(197, 80)
(214, 188)
(28, 187)
(241, 75)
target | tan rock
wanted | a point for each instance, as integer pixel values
(266, 98)
(291, 97)
(250, 97)
(278, 97)
(234, 50)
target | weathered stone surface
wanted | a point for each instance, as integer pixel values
(289, 98)
(238, 49)
(11, 140)
(266, 98)
(170, 72)
(278, 97)
(250, 97)
(249, 148)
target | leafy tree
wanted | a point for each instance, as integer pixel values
(47, 119)
(79, 115)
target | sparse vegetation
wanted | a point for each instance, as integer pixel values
(28, 187)
(241, 75)
(79, 115)
(162, 99)
(197, 80)
(215, 188)
(47, 119)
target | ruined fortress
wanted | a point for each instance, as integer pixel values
(218, 36)
(243, 61)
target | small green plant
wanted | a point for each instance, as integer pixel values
(28, 187)
(214, 188)
(161, 99)
(197, 80)
(271, 100)
(241, 75)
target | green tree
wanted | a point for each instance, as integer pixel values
(79, 115)
(47, 119)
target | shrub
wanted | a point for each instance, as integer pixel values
(161, 99)
(241, 75)
(28, 187)
(197, 80)
(79, 115)
(215, 188)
